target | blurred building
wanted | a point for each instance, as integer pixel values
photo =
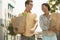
(6, 13)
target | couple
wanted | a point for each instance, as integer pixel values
(31, 22)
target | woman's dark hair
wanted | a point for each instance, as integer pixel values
(47, 6)
(27, 2)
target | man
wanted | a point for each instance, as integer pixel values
(31, 22)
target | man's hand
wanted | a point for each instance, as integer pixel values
(32, 30)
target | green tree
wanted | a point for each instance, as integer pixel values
(53, 4)
(10, 28)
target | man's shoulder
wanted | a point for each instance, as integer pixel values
(34, 14)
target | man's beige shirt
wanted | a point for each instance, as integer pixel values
(30, 22)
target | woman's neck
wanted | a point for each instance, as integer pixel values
(46, 13)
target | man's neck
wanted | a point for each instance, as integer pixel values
(27, 11)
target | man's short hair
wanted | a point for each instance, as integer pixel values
(27, 2)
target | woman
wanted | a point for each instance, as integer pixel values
(45, 24)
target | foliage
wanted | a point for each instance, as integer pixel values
(10, 28)
(54, 5)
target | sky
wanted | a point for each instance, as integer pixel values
(20, 7)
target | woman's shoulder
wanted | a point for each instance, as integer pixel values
(41, 16)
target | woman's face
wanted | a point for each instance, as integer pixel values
(44, 8)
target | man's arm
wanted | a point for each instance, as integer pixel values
(35, 23)
(35, 26)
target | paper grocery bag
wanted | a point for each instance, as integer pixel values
(55, 22)
(19, 24)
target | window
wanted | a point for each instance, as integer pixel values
(10, 15)
(10, 7)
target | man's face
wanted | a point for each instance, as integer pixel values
(29, 6)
